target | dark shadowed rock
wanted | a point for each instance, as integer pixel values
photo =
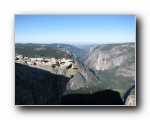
(35, 86)
(107, 97)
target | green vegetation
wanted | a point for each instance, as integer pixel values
(107, 74)
(108, 81)
(106, 47)
(34, 51)
(89, 89)
(80, 53)
(117, 83)
(131, 50)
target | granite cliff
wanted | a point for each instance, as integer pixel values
(114, 64)
(42, 81)
(43, 77)
(109, 56)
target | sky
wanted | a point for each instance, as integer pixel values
(76, 29)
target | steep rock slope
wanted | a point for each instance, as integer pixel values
(109, 56)
(44, 85)
(115, 65)
(83, 78)
(35, 86)
(71, 50)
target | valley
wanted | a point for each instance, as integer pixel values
(49, 74)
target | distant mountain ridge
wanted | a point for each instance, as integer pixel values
(71, 50)
(65, 48)
(37, 51)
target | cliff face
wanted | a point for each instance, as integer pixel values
(35, 86)
(42, 84)
(107, 57)
(71, 50)
(79, 78)
(83, 77)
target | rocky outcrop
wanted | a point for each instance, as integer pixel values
(131, 100)
(83, 78)
(130, 97)
(106, 57)
(63, 66)
(38, 83)
(77, 82)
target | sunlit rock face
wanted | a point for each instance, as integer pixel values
(106, 57)
(63, 66)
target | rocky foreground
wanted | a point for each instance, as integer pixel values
(42, 81)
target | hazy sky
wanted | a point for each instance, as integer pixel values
(74, 28)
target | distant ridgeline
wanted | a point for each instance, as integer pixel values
(50, 50)
(38, 51)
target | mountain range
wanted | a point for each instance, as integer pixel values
(100, 67)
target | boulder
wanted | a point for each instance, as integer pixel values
(19, 56)
(33, 59)
(39, 59)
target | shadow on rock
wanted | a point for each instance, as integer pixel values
(106, 97)
(128, 93)
(35, 86)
